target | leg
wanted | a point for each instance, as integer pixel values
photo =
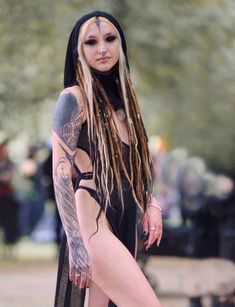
(114, 269)
(97, 298)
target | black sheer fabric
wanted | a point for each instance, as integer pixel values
(123, 224)
(67, 295)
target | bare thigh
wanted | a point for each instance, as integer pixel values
(96, 297)
(114, 269)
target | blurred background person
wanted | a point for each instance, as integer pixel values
(194, 206)
(48, 189)
(8, 203)
(31, 200)
(222, 207)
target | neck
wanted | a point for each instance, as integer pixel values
(109, 80)
(102, 73)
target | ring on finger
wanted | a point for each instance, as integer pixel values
(152, 228)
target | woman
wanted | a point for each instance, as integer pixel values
(98, 131)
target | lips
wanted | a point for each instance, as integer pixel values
(103, 59)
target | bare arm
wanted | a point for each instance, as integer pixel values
(67, 123)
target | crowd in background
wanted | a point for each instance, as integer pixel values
(23, 205)
(198, 208)
(191, 195)
(196, 200)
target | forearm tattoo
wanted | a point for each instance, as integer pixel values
(67, 125)
(65, 199)
(66, 205)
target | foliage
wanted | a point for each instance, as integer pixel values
(182, 60)
(185, 53)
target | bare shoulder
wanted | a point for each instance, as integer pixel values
(68, 117)
(74, 94)
(76, 91)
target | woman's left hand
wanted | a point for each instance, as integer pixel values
(152, 224)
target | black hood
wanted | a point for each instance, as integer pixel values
(72, 52)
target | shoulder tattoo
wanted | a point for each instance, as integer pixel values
(68, 119)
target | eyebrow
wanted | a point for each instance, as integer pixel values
(94, 36)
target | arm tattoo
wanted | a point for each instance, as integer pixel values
(67, 125)
(65, 198)
(66, 205)
(67, 119)
(69, 157)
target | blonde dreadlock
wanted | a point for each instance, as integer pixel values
(105, 144)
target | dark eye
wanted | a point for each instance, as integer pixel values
(111, 38)
(90, 42)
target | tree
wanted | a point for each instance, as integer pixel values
(182, 60)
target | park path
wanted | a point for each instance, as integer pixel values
(29, 279)
(32, 284)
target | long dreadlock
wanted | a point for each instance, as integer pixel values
(105, 143)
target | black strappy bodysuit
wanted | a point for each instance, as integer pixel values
(123, 223)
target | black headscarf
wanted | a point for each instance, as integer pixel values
(72, 52)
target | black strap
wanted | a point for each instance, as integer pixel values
(85, 175)
(91, 191)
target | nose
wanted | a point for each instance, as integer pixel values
(102, 49)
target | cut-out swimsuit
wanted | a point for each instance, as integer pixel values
(122, 222)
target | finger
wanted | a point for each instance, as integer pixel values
(152, 238)
(159, 239)
(145, 243)
(89, 283)
(82, 280)
(156, 235)
(88, 279)
(77, 280)
(145, 224)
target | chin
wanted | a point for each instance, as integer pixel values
(104, 68)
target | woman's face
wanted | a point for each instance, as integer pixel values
(101, 46)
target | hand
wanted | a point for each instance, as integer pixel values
(80, 272)
(152, 224)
